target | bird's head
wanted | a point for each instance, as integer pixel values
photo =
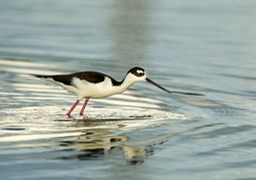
(137, 74)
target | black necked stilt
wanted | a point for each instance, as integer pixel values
(95, 85)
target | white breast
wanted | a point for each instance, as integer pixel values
(85, 89)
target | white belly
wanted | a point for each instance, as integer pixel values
(85, 89)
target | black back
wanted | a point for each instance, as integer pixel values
(90, 76)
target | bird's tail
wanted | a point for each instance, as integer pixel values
(40, 76)
(44, 77)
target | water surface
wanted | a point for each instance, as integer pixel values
(205, 47)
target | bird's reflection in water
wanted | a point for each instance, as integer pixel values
(136, 155)
(100, 140)
(99, 143)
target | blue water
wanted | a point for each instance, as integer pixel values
(197, 46)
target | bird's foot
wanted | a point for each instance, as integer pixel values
(69, 116)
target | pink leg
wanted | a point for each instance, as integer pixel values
(72, 108)
(85, 103)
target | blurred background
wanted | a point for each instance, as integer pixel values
(197, 46)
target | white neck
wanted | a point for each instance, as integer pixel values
(129, 80)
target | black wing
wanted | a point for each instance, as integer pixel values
(90, 76)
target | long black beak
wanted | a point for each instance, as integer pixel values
(166, 90)
(157, 85)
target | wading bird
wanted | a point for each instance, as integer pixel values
(93, 85)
